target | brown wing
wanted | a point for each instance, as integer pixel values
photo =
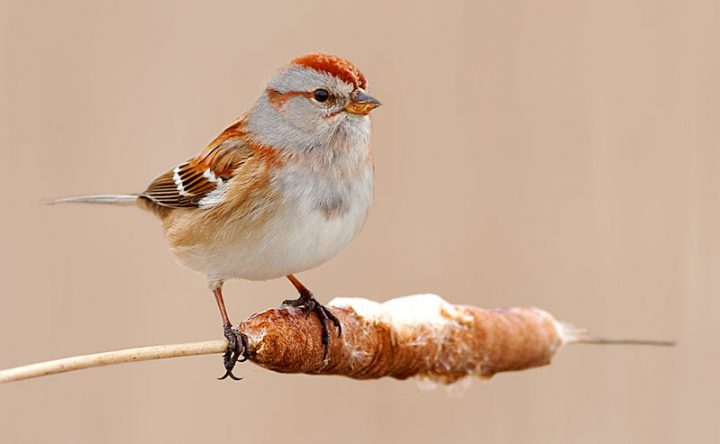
(188, 183)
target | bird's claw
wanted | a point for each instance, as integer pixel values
(311, 305)
(237, 351)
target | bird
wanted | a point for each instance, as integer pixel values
(283, 189)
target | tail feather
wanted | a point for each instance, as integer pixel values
(116, 199)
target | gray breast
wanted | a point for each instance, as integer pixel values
(333, 196)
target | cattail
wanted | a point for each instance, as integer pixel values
(421, 335)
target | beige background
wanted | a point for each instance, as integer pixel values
(557, 154)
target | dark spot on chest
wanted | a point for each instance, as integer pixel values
(332, 206)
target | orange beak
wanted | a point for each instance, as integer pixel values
(361, 103)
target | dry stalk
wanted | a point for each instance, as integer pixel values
(421, 336)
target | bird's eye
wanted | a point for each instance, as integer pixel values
(321, 95)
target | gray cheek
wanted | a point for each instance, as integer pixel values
(296, 111)
(305, 115)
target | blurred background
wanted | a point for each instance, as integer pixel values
(559, 154)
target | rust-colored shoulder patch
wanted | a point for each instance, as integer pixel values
(271, 156)
(333, 65)
(236, 130)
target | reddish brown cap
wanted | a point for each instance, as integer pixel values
(333, 65)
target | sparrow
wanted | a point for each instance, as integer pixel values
(282, 190)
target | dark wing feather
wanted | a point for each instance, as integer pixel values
(187, 184)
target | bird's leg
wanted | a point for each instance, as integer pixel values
(237, 342)
(307, 302)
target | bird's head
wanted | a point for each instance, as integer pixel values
(316, 100)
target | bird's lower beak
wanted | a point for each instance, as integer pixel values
(361, 103)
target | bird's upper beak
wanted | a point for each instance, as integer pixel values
(361, 103)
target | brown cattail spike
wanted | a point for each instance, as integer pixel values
(412, 336)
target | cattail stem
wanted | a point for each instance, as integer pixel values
(604, 341)
(414, 336)
(113, 357)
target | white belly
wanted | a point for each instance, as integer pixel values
(301, 235)
(297, 242)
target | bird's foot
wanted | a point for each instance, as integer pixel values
(237, 350)
(310, 305)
